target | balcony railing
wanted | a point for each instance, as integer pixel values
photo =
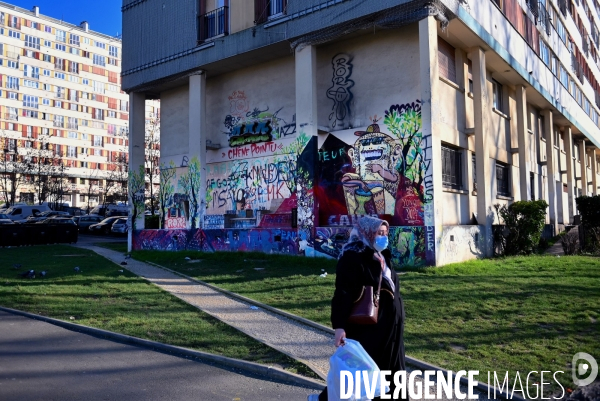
(543, 17)
(213, 23)
(8, 116)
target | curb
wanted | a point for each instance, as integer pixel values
(421, 365)
(248, 367)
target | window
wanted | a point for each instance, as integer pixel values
(98, 86)
(97, 152)
(111, 113)
(14, 34)
(71, 151)
(61, 47)
(60, 92)
(47, 73)
(564, 77)
(32, 72)
(276, 7)
(58, 103)
(30, 101)
(72, 124)
(74, 51)
(47, 43)
(85, 81)
(47, 29)
(32, 41)
(59, 121)
(113, 51)
(74, 40)
(73, 95)
(113, 88)
(72, 135)
(12, 83)
(532, 185)
(560, 29)
(59, 63)
(12, 64)
(113, 61)
(74, 78)
(100, 44)
(47, 58)
(124, 105)
(470, 75)
(31, 84)
(30, 113)
(554, 64)
(98, 114)
(446, 60)
(502, 179)
(59, 75)
(99, 60)
(497, 101)
(544, 52)
(61, 36)
(451, 167)
(12, 95)
(97, 140)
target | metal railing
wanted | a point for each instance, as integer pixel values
(543, 17)
(213, 23)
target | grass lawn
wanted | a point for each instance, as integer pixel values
(102, 296)
(514, 314)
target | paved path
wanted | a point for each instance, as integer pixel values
(306, 344)
(41, 361)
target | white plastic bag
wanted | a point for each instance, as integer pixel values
(352, 358)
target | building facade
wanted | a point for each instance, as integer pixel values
(286, 121)
(64, 119)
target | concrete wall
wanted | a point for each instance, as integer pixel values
(460, 243)
(385, 71)
(174, 125)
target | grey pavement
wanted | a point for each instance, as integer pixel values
(41, 361)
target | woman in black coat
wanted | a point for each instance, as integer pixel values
(363, 260)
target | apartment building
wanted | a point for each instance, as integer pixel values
(286, 121)
(63, 116)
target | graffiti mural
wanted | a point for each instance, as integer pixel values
(190, 183)
(246, 126)
(383, 170)
(257, 240)
(339, 91)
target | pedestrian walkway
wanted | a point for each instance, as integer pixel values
(306, 344)
(557, 248)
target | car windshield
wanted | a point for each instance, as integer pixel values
(109, 220)
(4, 216)
(121, 221)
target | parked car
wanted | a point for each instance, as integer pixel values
(84, 222)
(111, 210)
(55, 230)
(21, 212)
(43, 216)
(104, 226)
(119, 226)
(6, 221)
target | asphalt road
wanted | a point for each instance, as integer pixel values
(40, 361)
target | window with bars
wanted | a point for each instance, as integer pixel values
(502, 179)
(451, 167)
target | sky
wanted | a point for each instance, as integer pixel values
(104, 16)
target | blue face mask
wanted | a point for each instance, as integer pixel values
(381, 243)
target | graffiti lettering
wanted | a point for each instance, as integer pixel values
(175, 223)
(339, 92)
(325, 155)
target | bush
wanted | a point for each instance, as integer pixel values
(152, 222)
(570, 242)
(589, 209)
(524, 222)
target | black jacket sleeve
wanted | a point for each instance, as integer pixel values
(348, 286)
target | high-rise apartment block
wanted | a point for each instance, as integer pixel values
(286, 121)
(63, 116)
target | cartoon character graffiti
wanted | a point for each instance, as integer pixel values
(372, 188)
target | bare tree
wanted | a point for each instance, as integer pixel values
(116, 180)
(58, 184)
(152, 158)
(40, 165)
(166, 190)
(12, 171)
(92, 185)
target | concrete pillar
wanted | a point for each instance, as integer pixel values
(481, 110)
(306, 91)
(594, 166)
(431, 144)
(551, 168)
(197, 147)
(523, 135)
(570, 173)
(583, 162)
(137, 131)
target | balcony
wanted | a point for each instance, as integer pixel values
(9, 116)
(214, 23)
